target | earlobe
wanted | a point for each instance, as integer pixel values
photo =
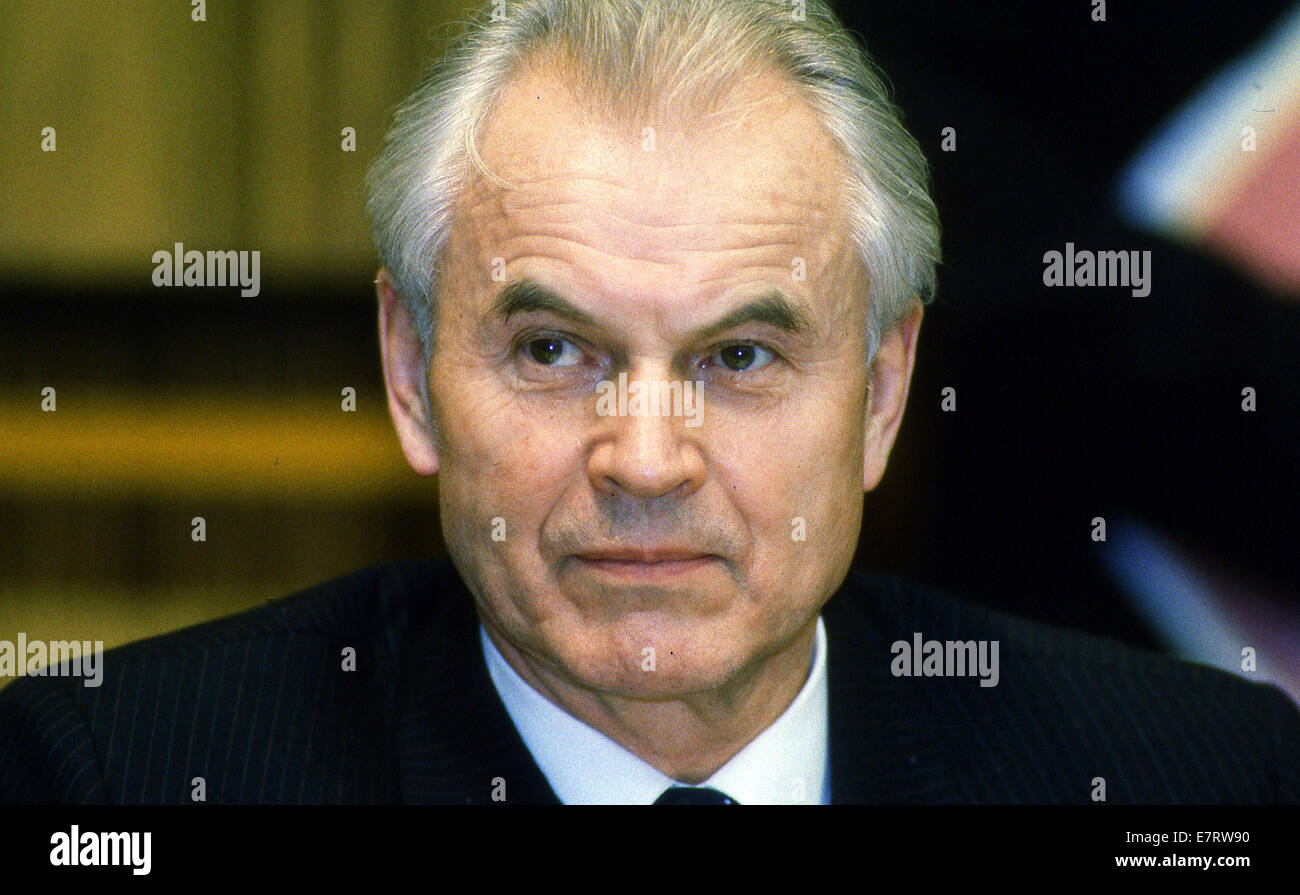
(402, 354)
(890, 378)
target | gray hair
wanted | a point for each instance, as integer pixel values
(654, 54)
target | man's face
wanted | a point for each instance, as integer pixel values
(719, 255)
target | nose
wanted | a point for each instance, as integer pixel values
(648, 454)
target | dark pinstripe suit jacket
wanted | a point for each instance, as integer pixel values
(258, 705)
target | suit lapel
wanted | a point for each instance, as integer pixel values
(884, 745)
(455, 741)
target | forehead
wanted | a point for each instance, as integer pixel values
(761, 172)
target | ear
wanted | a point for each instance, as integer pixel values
(890, 376)
(402, 354)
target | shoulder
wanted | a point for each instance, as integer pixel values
(876, 607)
(360, 609)
(310, 675)
(1058, 704)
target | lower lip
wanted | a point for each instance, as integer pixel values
(648, 571)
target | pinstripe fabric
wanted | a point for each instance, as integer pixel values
(259, 707)
(1068, 708)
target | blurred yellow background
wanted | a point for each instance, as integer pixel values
(171, 404)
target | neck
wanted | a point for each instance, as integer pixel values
(687, 738)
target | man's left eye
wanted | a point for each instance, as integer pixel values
(553, 352)
(743, 357)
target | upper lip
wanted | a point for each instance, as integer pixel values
(644, 554)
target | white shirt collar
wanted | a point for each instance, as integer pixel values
(788, 763)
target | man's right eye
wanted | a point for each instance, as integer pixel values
(550, 351)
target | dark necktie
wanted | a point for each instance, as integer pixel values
(693, 795)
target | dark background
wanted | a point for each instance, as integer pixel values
(1075, 403)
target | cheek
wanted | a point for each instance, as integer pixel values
(500, 460)
(799, 489)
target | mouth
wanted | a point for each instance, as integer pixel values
(646, 565)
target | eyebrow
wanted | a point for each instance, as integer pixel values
(527, 296)
(773, 307)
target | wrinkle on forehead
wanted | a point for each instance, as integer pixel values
(745, 197)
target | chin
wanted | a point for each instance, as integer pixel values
(688, 657)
